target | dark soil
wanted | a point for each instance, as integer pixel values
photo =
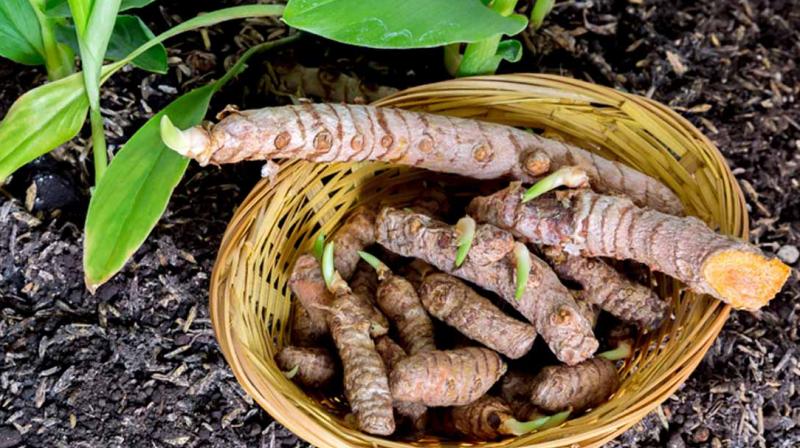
(137, 365)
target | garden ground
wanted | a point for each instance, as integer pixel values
(137, 364)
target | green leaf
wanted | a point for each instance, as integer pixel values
(60, 8)
(129, 34)
(20, 35)
(509, 50)
(40, 120)
(402, 24)
(136, 188)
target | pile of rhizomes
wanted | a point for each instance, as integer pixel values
(430, 326)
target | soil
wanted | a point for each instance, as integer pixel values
(137, 365)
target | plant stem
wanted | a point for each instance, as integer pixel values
(540, 10)
(479, 57)
(59, 60)
(452, 58)
(98, 144)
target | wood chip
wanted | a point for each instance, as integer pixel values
(676, 63)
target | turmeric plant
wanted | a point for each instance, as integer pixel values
(456, 304)
(446, 377)
(685, 248)
(446, 144)
(491, 264)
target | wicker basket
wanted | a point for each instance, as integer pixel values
(250, 301)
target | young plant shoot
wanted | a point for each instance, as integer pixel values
(446, 144)
(568, 176)
(595, 225)
(466, 234)
(545, 302)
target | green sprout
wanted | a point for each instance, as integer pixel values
(523, 271)
(328, 270)
(519, 428)
(466, 234)
(291, 373)
(568, 176)
(319, 246)
(623, 351)
(382, 270)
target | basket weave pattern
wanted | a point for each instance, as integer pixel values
(250, 299)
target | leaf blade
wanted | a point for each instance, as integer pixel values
(20, 35)
(40, 120)
(408, 24)
(135, 190)
(130, 33)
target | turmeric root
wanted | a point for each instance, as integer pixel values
(472, 148)
(415, 414)
(579, 387)
(357, 232)
(308, 286)
(364, 285)
(589, 311)
(607, 288)
(515, 390)
(456, 304)
(488, 418)
(490, 264)
(446, 377)
(399, 300)
(416, 271)
(315, 366)
(366, 384)
(306, 332)
(595, 225)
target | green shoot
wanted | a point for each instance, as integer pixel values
(568, 176)
(327, 264)
(382, 270)
(291, 373)
(319, 243)
(519, 428)
(623, 351)
(540, 10)
(466, 234)
(523, 270)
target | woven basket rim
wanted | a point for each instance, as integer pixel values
(275, 402)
